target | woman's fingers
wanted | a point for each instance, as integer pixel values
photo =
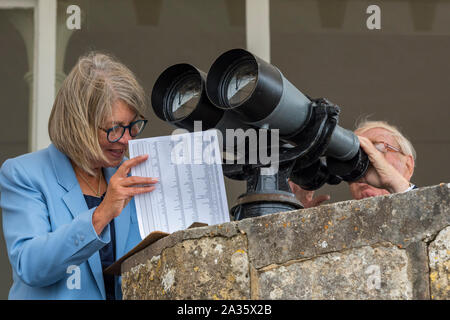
(132, 191)
(131, 181)
(122, 186)
(134, 185)
(126, 166)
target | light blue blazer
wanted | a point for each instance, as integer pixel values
(52, 245)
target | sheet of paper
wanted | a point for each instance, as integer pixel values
(191, 185)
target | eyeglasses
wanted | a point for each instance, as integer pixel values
(135, 128)
(383, 147)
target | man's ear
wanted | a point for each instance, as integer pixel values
(409, 167)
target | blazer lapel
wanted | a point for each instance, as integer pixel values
(76, 204)
(65, 175)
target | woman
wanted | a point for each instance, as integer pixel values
(68, 210)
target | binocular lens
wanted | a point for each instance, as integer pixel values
(184, 96)
(241, 82)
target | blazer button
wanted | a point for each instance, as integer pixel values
(82, 237)
(76, 242)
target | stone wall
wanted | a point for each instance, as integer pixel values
(390, 247)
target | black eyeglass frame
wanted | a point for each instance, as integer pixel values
(124, 128)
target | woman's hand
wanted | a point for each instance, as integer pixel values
(381, 174)
(307, 197)
(121, 189)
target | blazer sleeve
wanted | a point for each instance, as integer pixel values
(39, 255)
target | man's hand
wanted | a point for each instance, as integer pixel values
(381, 174)
(307, 197)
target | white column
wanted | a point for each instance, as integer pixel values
(63, 35)
(44, 72)
(258, 27)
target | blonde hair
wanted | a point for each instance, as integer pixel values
(405, 145)
(85, 102)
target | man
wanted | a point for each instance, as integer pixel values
(391, 166)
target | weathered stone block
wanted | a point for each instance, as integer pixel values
(439, 259)
(364, 273)
(204, 268)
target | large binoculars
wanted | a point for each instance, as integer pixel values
(242, 92)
